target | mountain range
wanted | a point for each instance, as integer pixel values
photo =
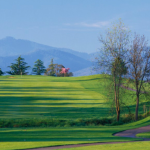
(10, 48)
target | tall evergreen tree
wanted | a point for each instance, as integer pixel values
(1, 72)
(18, 68)
(38, 67)
(50, 71)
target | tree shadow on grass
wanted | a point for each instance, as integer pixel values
(59, 135)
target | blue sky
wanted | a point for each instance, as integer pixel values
(74, 24)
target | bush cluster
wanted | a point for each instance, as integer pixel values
(14, 123)
(48, 122)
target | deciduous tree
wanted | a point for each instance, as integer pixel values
(113, 58)
(65, 72)
(139, 66)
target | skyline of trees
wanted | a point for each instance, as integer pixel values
(20, 67)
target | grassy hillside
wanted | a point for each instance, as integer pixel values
(58, 98)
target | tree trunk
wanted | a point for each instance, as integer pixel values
(137, 107)
(116, 99)
(118, 113)
(137, 99)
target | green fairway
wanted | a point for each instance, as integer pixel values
(57, 97)
(21, 138)
(43, 96)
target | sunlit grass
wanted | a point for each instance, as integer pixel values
(20, 96)
(144, 135)
(68, 97)
(121, 146)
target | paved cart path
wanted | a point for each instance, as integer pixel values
(127, 133)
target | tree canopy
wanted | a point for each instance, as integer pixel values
(113, 58)
(18, 68)
(139, 66)
(1, 72)
(56, 70)
(50, 71)
(38, 67)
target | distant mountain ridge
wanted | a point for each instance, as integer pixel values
(11, 48)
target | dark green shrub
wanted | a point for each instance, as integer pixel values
(128, 118)
(49, 122)
(117, 123)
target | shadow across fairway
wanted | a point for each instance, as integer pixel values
(57, 135)
(37, 106)
(51, 106)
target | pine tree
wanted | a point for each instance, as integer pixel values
(50, 71)
(38, 67)
(1, 72)
(18, 68)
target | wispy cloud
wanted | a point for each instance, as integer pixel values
(99, 24)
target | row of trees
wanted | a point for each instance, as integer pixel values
(20, 67)
(124, 57)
